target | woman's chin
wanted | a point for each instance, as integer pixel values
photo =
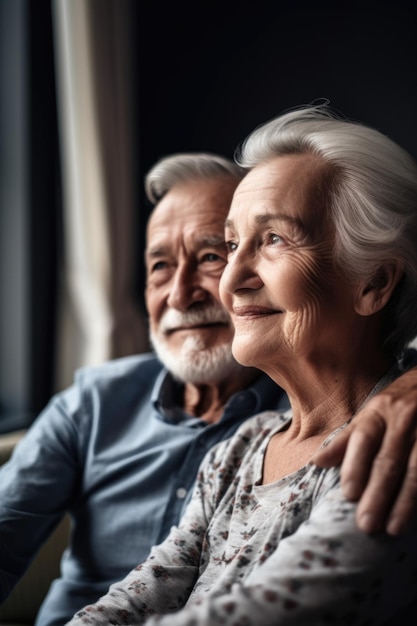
(245, 357)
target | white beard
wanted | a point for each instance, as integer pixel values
(194, 362)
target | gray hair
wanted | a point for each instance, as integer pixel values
(183, 167)
(371, 194)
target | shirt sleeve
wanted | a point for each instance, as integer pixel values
(37, 486)
(325, 572)
(163, 583)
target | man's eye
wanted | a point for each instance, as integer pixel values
(160, 265)
(211, 256)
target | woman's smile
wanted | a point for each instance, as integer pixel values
(252, 311)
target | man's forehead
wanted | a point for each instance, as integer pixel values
(195, 199)
(164, 240)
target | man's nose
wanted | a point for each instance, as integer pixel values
(186, 289)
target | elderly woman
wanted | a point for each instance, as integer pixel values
(321, 284)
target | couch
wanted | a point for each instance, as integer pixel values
(22, 605)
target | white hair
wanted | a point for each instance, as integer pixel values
(183, 167)
(195, 363)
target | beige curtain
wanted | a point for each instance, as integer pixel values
(99, 318)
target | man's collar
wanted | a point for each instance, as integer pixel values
(263, 394)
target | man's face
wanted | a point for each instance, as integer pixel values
(185, 258)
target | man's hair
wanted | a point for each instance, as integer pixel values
(184, 167)
(369, 187)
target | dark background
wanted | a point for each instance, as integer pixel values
(208, 72)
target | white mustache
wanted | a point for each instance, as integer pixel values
(173, 318)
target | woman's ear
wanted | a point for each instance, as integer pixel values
(373, 296)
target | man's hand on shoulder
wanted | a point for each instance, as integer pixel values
(378, 453)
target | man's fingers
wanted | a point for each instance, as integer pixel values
(387, 488)
(405, 507)
(362, 448)
(381, 489)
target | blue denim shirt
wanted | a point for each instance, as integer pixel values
(116, 452)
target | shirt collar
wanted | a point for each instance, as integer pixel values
(263, 394)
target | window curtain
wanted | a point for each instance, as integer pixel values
(99, 312)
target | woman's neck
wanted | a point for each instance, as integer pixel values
(292, 449)
(324, 397)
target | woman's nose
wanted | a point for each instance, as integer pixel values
(240, 273)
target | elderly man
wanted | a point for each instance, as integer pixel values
(119, 450)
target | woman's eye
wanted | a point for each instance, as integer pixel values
(274, 238)
(231, 246)
(160, 265)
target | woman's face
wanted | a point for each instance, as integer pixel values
(280, 285)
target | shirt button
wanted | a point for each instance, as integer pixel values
(181, 493)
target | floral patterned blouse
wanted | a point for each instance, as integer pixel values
(247, 554)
